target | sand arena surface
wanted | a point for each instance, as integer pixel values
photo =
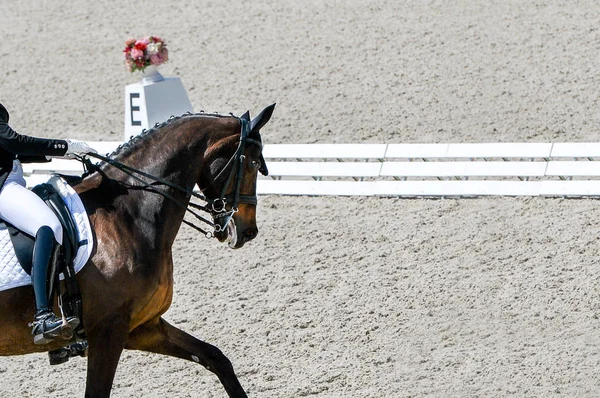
(349, 297)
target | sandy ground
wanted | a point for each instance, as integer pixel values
(349, 297)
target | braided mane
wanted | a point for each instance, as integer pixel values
(136, 140)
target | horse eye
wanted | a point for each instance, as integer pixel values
(255, 164)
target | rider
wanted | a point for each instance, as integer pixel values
(27, 212)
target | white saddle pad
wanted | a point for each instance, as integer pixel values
(12, 274)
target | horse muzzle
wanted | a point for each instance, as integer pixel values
(235, 236)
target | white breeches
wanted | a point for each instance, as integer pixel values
(24, 209)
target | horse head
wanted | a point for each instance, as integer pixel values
(228, 179)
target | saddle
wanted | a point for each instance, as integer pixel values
(23, 243)
(74, 252)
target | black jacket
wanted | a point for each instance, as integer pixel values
(27, 149)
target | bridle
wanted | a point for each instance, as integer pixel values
(217, 206)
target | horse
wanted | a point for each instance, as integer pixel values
(136, 199)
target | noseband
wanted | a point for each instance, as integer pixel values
(218, 206)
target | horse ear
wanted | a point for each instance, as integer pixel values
(246, 116)
(262, 118)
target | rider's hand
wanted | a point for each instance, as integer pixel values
(75, 147)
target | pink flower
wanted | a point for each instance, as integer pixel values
(136, 54)
(156, 59)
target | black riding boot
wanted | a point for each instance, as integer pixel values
(46, 325)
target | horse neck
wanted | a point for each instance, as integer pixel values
(178, 146)
(162, 153)
(168, 154)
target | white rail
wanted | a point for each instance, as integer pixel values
(508, 169)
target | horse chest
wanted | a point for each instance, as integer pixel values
(154, 303)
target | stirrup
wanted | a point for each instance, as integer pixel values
(47, 326)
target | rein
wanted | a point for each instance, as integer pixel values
(218, 206)
(131, 171)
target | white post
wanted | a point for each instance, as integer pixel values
(148, 103)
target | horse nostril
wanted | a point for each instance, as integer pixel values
(251, 233)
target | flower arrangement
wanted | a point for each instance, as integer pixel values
(142, 53)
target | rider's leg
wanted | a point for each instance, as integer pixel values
(46, 325)
(26, 211)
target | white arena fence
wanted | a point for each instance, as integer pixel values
(410, 170)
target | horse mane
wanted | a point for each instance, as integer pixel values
(136, 140)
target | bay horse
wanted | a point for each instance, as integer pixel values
(127, 284)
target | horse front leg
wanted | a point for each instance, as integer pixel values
(163, 338)
(106, 343)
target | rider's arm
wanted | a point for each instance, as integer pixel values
(27, 146)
